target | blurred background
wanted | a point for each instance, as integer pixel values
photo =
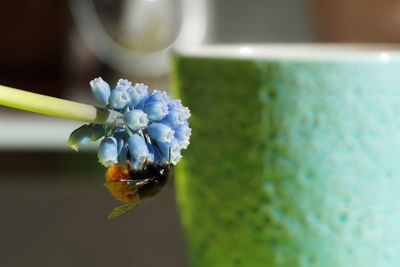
(52, 201)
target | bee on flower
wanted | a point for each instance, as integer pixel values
(140, 153)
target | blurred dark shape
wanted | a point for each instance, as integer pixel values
(373, 21)
(54, 213)
(238, 21)
(33, 43)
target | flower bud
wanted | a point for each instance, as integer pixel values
(158, 96)
(100, 90)
(119, 98)
(160, 132)
(138, 148)
(80, 137)
(174, 119)
(182, 134)
(123, 84)
(176, 104)
(138, 94)
(108, 152)
(156, 110)
(136, 119)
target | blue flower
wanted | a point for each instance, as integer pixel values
(182, 134)
(138, 94)
(174, 119)
(157, 156)
(119, 98)
(100, 90)
(80, 137)
(160, 132)
(158, 96)
(138, 148)
(171, 151)
(136, 119)
(176, 104)
(155, 128)
(108, 152)
(151, 152)
(156, 110)
(123, 84)
(123, 155)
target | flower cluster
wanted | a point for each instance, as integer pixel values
(155, 127)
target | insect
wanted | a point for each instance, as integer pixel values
(134, 186)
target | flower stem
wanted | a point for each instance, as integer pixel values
(57, 107)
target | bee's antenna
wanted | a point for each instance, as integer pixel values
(169, 155)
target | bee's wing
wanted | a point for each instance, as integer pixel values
(121, 210)
(133, 184)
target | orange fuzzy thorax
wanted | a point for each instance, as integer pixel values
(117, 173)
(121, 190)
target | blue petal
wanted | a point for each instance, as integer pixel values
(122, 156)
(182, 134)
(175, 104)
(151, 152)
(123, 84)
(171, 152)
(160, 132)
(119, 98)
(108, 152)
(156, 110)
(120, 144)
(158, 96)
(174, 119)
(138, 148)
(100, 90)
(138, 94)
(136, 119)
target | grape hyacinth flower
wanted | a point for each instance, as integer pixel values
(138, 94)
(101, 90)
(136, 119)
(108, 152)
(120, 96)
(141, 133)
(161, 132)
(154, 127)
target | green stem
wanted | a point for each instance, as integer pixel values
(57, 107)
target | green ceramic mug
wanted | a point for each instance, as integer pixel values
(294, 157)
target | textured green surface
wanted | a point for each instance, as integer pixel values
(290, 163)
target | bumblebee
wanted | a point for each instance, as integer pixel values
(133, 186)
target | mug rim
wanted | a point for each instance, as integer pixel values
(383, 53)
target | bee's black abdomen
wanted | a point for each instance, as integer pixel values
(158, 175)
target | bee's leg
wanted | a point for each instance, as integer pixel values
(129, 165)
(145, 163)
(143, 181)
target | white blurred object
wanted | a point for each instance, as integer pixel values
(151, 29)
(22, 131)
